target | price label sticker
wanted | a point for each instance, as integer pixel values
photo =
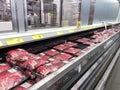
(71, 31)
(38, 36)
(84, 28)
(60, 33)
(14, 41)
(89, 27)
(78, 24)
(1, 44)
(94, 26)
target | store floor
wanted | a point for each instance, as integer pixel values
(113, 82)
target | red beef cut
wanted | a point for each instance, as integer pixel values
(29, 64)
(30, 73)
(32, 64)
(86, 39)
(47, 69)
(4, 67)
(54, 61)
(63, 56)
(18, 54)
(43, 70)
(79, 53)
(72, 50)
(43, 56)
(70, 44)
(51, 52)
(10, 78)
(61, 47)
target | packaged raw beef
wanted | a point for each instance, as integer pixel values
(30, 73)
(85, 39)
(52, 67)
(29, 64)
(86, 49)
(80, 40)
(61, 47)
(43, 70)
(8, 59)
(43, 56)
(32, 63)
(18, 55)
(25, 86)
(11, 78)
(88, 42)
(72, 50)
(79, 53)
(70, 44)
(63, 56)
(47, 69)
(4, 67)
(51, 52)
(54, 61)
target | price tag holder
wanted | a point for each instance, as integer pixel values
(1, 44)
(14, 41)
(60, 33)
(71, 31)
(37, 36)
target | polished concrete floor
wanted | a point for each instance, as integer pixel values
(113, 82)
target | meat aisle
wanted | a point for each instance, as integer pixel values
(24, 67)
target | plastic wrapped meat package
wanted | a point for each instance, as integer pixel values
(4, 67)
(18, 55)
(61, 47)
(32, 64)
(70, 44)
(88, 42)
(11, 78)
(51, 52)
(30, 73)
(63, 56)
(43, 56)
(79, 53)
(54, 61)
(83, 40)
(72, 50)
(47, 69)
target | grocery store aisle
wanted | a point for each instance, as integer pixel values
(113, 82)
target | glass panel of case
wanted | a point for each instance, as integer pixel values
(43, 13)
(71, 12)
(5, 15)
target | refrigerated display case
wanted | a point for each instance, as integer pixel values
(85, 52)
